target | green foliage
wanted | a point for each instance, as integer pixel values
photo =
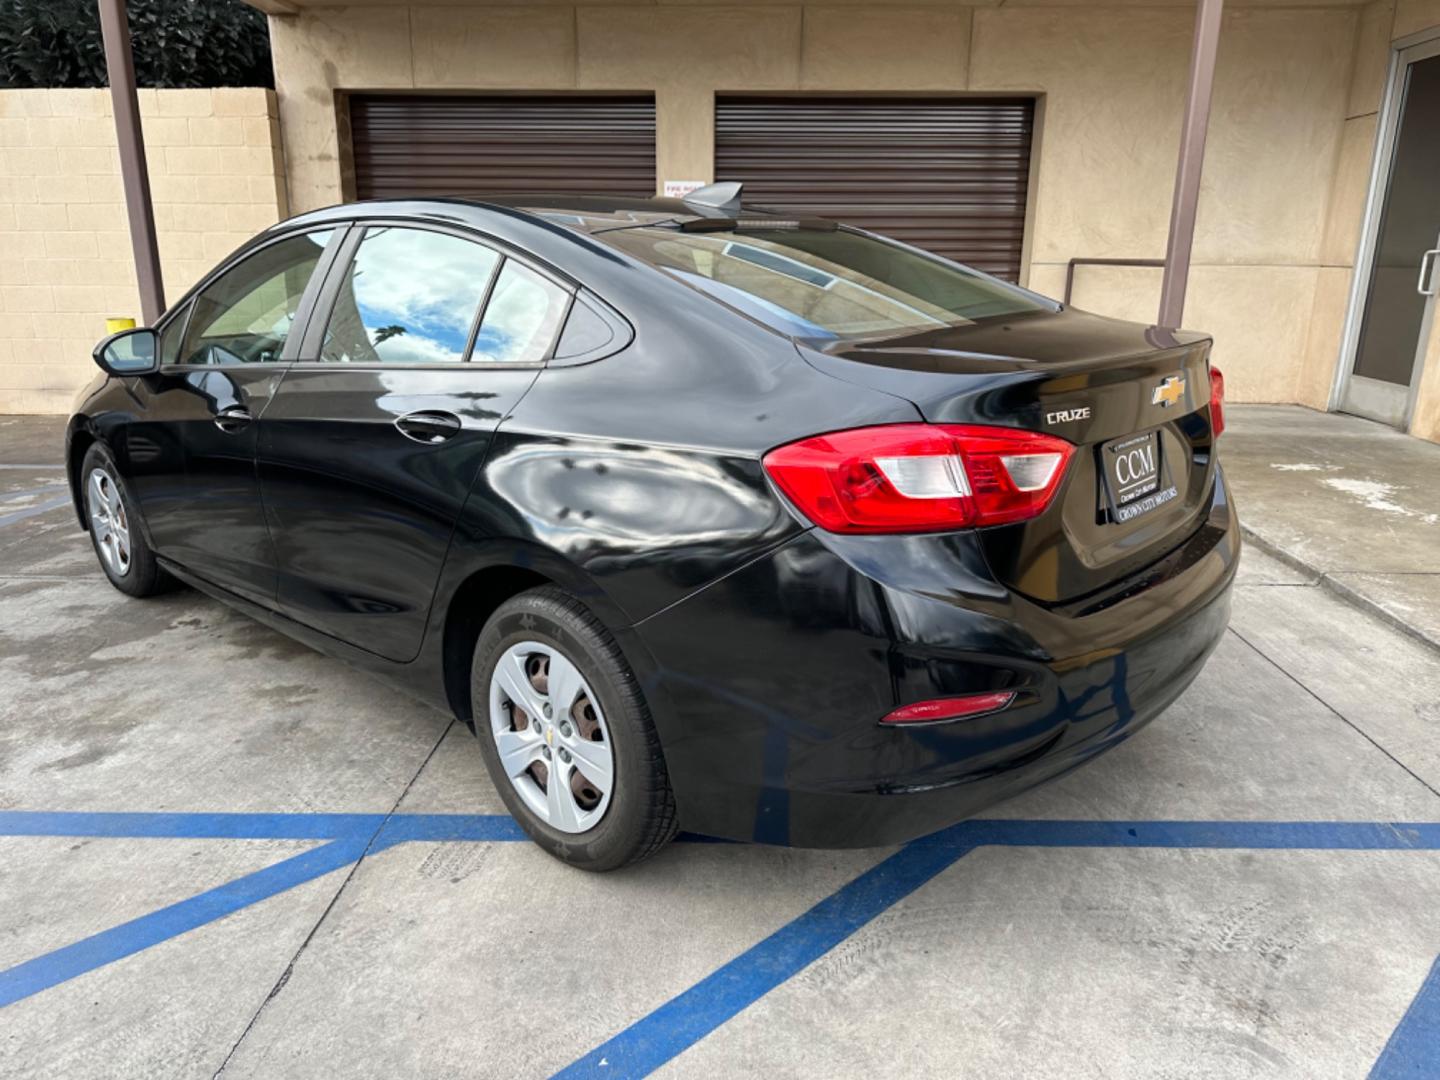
(57, 43)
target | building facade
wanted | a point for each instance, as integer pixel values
(1292, 139)
(1017, 136)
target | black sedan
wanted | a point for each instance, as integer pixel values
(701, 516)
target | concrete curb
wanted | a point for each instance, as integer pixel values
(1339, 589)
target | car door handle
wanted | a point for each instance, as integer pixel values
(233, 419)
(428, 427)
(1426, 287)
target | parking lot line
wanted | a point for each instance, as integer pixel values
(189, 826)
(25, 493)
(1413, 1049)
(87, 954)
(16, 516)
(688, 1017)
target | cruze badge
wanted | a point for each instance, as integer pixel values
(1168, 392)
(1064, 416)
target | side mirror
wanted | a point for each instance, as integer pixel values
(130, 352)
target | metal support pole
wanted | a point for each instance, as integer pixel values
(1192, 158)
(120, 66)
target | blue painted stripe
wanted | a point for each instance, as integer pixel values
(25, 493)
(33, 511)
(689, 1017)
(189, 826)
(1414, 1047)
(43, 972)
(681, 1022)
(401, 828)
(684, 1020)
(1290, 835)
(394, 829)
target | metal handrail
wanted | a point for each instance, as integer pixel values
(1070, 269)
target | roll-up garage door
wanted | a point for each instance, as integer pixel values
(421, 145)
(946, 174)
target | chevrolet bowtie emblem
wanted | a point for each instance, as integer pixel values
(549, 736)
(1168, 392)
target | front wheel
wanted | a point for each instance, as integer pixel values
(115, 530)
(566, 735)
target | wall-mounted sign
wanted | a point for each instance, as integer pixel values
(678, 189)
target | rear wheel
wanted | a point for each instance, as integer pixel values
(115, 530)
(566, 734)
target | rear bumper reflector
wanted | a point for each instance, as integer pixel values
(941, 710)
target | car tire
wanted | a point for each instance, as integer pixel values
(115, 531)
(546, 632)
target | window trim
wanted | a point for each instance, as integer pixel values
(309, 350)
(340, 229)
(479, 318)
(569, 293)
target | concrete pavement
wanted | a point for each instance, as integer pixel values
(1055, 945)
(1353, 504)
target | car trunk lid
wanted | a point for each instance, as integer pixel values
(1133, 399)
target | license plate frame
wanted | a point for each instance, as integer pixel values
(1133, 477)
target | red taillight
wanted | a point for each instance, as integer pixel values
(1217, 403)
(950, 708)
(906, 478)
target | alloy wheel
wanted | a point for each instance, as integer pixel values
(551, 736)
(108, 521)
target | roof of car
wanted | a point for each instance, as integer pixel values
(584, 213)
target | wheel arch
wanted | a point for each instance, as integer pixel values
(79, 437)
(480, 579)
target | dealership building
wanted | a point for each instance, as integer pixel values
(1036, 140)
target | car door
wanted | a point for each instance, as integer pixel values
(190, 449)
(423, 340)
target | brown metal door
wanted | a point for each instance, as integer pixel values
(422, 145)
(945, 174)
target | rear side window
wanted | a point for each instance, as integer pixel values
(409, 297)
(524, 312)
(244, 316)
(586, 331)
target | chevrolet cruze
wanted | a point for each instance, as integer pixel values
(701, 516)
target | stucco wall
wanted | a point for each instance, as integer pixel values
(1111, 80)
(1290, 149)
(66, 262)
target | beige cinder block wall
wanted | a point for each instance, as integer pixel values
(66, 262)
(1111, 78)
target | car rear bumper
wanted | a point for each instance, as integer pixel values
(768, 686)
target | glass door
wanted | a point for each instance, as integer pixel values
(1397, 298)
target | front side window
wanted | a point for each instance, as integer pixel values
(410, 297)
(244, 316)
(520, 322)
(826, 282)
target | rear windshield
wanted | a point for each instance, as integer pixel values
(827, 283)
